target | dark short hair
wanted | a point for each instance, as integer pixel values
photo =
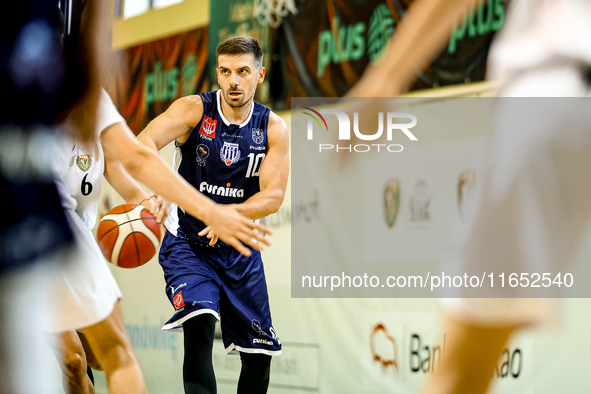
(241, 46)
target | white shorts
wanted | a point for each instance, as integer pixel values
(533, 202)
(86, 291)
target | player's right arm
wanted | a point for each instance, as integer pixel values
(129, 189)
(176, 123)
(145, 165)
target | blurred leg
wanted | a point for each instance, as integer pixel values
(470, 358)
(91, 360)
(111, 346)
(72, 360)
(22, 339)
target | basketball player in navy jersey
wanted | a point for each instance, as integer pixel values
(235, 151)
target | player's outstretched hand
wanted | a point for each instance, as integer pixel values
(230, 226)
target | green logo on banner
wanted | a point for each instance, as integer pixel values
(483, 21)
(349, 44)
(161, 85)
(381, 28)
(189, 76)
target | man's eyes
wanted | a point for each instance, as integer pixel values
(243, 71)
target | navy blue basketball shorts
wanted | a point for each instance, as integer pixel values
(222, 282)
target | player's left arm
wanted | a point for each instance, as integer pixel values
(272, 178)
(273, 174)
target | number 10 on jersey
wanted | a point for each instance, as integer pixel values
(254, 164)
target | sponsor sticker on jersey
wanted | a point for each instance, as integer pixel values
(178, 300)
(202, 154)
(84, 162)
(257, 136)
(226, 191)
(224, 134)
(208, 127)
(230, 153)
(262, 342)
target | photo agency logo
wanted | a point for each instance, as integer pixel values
(395, 123)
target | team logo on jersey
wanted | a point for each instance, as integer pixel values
(256, 325)
(257, 136)
(84, 162)
(202, 154)
(391, 201)
(178, 300)
(208, 127)
(230, 153)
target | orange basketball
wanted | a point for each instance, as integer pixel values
(128, 235)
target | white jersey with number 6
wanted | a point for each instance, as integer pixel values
(83, 173)
(86, 289)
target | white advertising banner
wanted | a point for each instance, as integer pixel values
(408, 213)
(359, 344)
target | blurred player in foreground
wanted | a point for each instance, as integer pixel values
(87, 294)
(235, 151)
(47, 80)
(43, 80)
(543, 50)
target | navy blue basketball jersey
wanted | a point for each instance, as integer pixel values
(221, 160)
